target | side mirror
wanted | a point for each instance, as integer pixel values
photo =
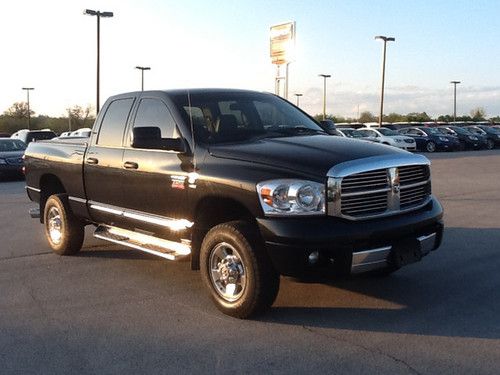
(328, 126)
(149, 137)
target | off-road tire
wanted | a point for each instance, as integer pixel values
(57, 213)
(261, 279)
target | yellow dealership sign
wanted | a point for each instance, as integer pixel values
(282, 43)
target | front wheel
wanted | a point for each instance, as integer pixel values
(237, 270)
(430, 146)
(64, 232)
(490, 144)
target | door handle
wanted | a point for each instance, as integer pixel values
(92, 161)
(130, 165)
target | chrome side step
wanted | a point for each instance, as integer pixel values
(153, 245)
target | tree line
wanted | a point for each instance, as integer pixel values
(476, 114)
(16, 118)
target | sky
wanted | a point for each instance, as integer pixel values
(51, 46)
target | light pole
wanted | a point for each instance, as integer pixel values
(298, 96)
(325, 76)
(28, 89)
(99, 14)
(142, 69)
(385, 39)
(455, 83)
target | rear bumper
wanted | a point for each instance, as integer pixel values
(341, 244)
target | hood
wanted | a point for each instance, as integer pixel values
(308, 154)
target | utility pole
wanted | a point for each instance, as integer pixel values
(28, 89)
(325, 76)
(385, 39)
(298, 96)
(99, 14)
(142, 69)
(455, 83)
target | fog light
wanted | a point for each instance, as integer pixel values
(313, 257)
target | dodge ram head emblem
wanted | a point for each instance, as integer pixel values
(395, 184)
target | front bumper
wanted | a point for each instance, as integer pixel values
(341, 244)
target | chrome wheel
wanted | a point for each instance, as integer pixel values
(227, 272)
(431, 147)
(54, 225)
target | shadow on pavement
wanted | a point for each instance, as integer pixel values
(452, 292)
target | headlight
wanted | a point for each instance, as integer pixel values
(444, 139)
(471, 137)
(2, 161)
(289, 197)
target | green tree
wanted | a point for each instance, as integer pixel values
(19, 110)
(478, 114)
(367, 116)
(80, 117)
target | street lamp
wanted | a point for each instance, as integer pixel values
(298, 96)
(325, 76)
(99, 14)
(142, 69)
(385, 39)
(28, 89)
(455, 83)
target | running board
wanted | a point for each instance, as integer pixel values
(153, 245)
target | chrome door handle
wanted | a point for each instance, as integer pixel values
(92, 161)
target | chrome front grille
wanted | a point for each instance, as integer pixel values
(364, 194)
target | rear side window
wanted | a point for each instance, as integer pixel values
(153, 112)
(113, 124)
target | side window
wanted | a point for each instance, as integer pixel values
(153, 112)
(113, 124)
(371, 133)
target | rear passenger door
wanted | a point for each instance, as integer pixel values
(103, 170)
(156, 181)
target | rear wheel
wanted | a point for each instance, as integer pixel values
(64, 232)
(430, 146)
(237, 271)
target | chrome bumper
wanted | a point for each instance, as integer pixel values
(373, 259)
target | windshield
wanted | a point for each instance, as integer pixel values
(12, 145)
(460, 130)
(489, 130)
(433, 131)
(348, 132)
(388, 132)
(233, 116)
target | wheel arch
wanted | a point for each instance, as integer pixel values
(49, 184)
(210, 212)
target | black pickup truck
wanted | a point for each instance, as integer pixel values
(244, 183)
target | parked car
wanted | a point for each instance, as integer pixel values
(467, 139)
(244, 183)
(431, 139)
(11, 156)
(83, 132)
(492, 135)
(387, 137)
(347, 132)
(28, 136)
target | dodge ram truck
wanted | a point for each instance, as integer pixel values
(245, 184)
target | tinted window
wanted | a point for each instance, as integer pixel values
(387, 132)
(153, 112)
(12, 145)
(113, 124)
(237, 116)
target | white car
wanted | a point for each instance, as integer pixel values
(388, 137)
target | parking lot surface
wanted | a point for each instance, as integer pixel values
(114, 310)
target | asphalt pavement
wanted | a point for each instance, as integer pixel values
(112, 310)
